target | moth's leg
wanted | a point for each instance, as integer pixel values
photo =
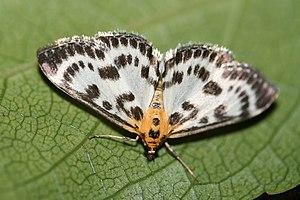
(114, 137)
(180, 160)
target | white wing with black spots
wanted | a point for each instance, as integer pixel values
(204, 88)
(114, 73)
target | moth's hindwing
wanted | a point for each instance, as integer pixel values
(205, 87)
(114, 73)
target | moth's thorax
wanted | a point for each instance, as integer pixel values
(154, 125)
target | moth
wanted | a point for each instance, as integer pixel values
(186, 91)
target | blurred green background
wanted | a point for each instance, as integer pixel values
(44, 151)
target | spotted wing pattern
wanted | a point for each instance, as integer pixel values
(114, 73)
(205, 87)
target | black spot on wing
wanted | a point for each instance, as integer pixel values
(137, 113)
(237, 89)
(81, 64)
(176, 79)
(92, 91)
(191, 116)
(157, 71)
(245, 102)
(114, 42)
(149, 54)
(212, 88)
(187, 105)
(212, 56)
(89, 51)
(100, 54)
(106, 105)
(197, 53)
(61, 51)
(187, 55)
(79, 49)
(142, 48)
(70, 71)
(122, 99)
(244, 74)
(124, 41)
(189, 71)
(129, 59)
(121, 61)
(67, 77)
(125, 97)
(145, 72)
(50, 58)
(205, 53)
(136, 61)
(201, 73)
(109, 72)
(220, 113)
(42, 58)
(204, 120)
(70, 49)
(75, 67)
(234, 74)
(196, 69)
(178, 57)
(244, 98)
(133, 42)
(90, 66)
(105, 40)
(174, 118)
(56, 56)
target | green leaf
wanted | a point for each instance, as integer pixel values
(44, 151)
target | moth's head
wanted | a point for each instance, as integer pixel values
(151, 146)
(151, 155)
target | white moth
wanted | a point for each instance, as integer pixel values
(156, 96)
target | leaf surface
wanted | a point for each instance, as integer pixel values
(44, 150)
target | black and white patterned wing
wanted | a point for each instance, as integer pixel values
(114, 73)
(206, 88)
